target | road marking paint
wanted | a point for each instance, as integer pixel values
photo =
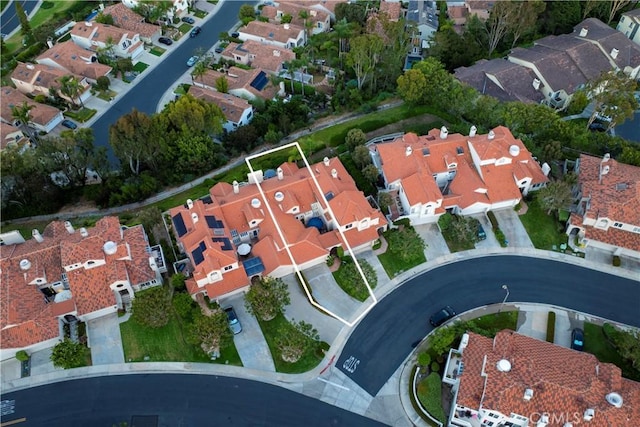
(351, 364)
(334, 384)
(12, 422)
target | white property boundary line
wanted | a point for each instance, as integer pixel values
(286, 244)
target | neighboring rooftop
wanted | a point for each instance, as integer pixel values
(41, 114)
(73, 58)
(232, 107)
(129, 20)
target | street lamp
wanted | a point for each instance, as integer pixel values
(506, 288)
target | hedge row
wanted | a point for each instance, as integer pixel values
(551, 327)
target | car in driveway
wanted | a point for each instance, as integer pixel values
(234, 323)
(482, 235)
(192, 61)
(441, 316)
(577, 339)
(219, 49)
(235, 35)
(69, 124)
(165, 40)
(188, 20)
(195, 31)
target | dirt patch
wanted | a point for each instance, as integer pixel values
(402, 125)
(78, 208)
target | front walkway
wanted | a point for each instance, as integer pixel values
(105, 340)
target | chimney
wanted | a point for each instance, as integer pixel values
(408, 151)
(110, 247)
(69, 227)
(614, 53)
(276, 52)
(536, 84)
(443, 132)
(491, 135)
(583, 32)
(37, 236)
(194, 217)
(152, 263)
(30, 66)
(326, 161)
(588, 414)
(280, 174)
(236, 187)
(334, 173)
(49, 44)
(472, 131)
(286, 26)
(83, 232)
(528, 394)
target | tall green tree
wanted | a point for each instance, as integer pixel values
(526, 17)
(364, 56)
(412, 86)
(22, 113)
(71, 88)
(267, 297)
(612, 94)
(247, 13)
(70, 154)
(129, 137)
(68, 354)
(152, 307)
(25, 26)
(502, 16)
(212, 332)
(294, 339)
(555, 196)
(194, 116)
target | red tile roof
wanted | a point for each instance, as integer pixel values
(232, 107)
(239, 80)
(486, 169)
(127, 19)
(563, 381)
(71, 57)
(258, 55)
(22, 305)
(41, 114)
(244, 210)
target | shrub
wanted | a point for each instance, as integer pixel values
(494, 221)
(551, 326)
(616, 261)
(103, 82)
(68, 354)
(435, 366)
(424, 359)
(430, 396)
(517, 207)
(22, 356)
(330, 260)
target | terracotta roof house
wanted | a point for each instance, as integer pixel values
(285, 36)
(430, 174)
(247, 84)
(43, 117)
(237, 111)
(94, 36)
(629, 25)
(318, 21)
(258, 55)
(515, 380)
(606, 215)
(327, 6)
(230, 236)
(392, 9)
(65, 275)
(38, 79)
(127, 19)
(458, 12)
(12, 136)
(480, 8)
(73, 59)
(180, 8)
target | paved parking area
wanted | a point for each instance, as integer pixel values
(328, 294)
(250, 343)
(105, 340)
(512, 228)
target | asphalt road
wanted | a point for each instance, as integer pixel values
(147, 93)
(8, 19)
(386, 336)
(176, 400)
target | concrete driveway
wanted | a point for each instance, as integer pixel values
(490, 241)
(436, 245)
(105, 340)
(250, 343)
(512, 227)
(328, 294)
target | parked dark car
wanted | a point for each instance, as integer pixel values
(234, 323)
(165, 40)
(188, 20)
(235, 35)
(439, 317)
(69, 124)
(481, 233)
(219, 49)
(597, 127)
(195, 31)
(577, 339)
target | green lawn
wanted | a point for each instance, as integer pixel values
(140, 66)
(308, 361)
(596, 343)
(167, 344)
(350, 280)
(107, 95)
(184, 28)
(430, 396)
(200, 13)
(394, 264)
(498, 321)
(81, 115)
(157, 51)
(455, 244)
(544, 230)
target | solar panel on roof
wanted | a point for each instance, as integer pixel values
(178, 223)
(197, 256)
(260, 81)
(226, 243)
(329, 195)
(253, 266)
(206, 200)
(212, 222)
(425, 152)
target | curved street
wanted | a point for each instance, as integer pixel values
(387, 335)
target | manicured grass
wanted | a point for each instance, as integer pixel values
(81, 115)
(596, 343)
(544, 230)
(200, 13)
(106, 95)
(350, 280)
(140, 66)
(394, 264)
(157, 51)
(184, 28)
(455, 244)
(498, 321)
(307, 362)
(430, 395)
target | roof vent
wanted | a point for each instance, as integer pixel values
(30, 66)
(408, 151)
(536, 84)
(110, 247)
(276, 52)
(334, 173)
(588, 414)
(514, 150)
(326, 161)
(236, 187)
(613, 398)
(464, 342)
(194, 217)
(279, 196)
(189, 204)
(69, 227)
(584, 32)
(280, 173)
(443, 132)
(606, 157)
(543, 421)
(25, 264)
(255, 203)
(614, 53)
(37, 236)
(472, 131)
(503, 365)
(491, 135)
(286, 26)
(528, 394)
(83, 232)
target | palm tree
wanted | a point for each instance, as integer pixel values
(70, 87)
(22, 114)
(199, 70)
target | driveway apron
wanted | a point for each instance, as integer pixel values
(513, 229)
(436, 246)
(328, 294)
(105, 340)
